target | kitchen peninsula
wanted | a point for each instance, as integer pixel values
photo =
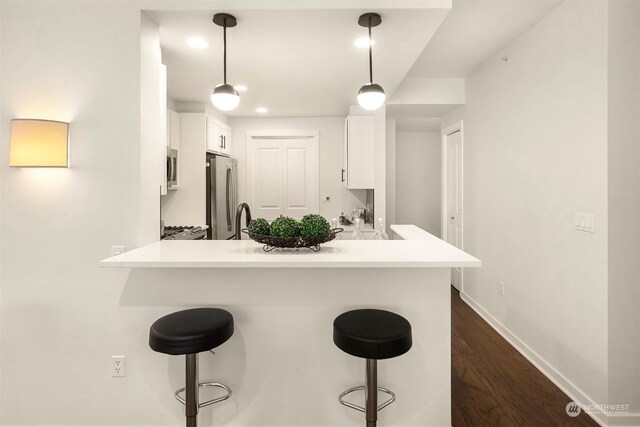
(281, 363)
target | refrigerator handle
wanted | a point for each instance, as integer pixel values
(229, 199)
(235, 186)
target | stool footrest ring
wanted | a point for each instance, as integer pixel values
(208, 402)
(361, 388)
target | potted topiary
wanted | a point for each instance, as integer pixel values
(286, 232)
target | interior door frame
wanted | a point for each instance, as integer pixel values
(250, 135)
(449, 130)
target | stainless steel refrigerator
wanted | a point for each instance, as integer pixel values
(222, 196)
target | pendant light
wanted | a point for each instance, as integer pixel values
(371, 96)
(224, 96)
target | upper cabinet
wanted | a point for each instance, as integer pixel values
(173, 129)
(218, 137)
(226, 139)
(357, 169)
(214, 132)
(162, 131)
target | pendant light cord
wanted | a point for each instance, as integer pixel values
(370, 54)
(224, 38)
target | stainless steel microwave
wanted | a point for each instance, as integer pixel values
(172, 168)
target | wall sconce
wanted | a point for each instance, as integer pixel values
(39, 143)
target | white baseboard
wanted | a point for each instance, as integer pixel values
(549, 371)
(628, 420)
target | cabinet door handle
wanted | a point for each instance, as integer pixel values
(224, 141)
(221, 141)
(342, 175)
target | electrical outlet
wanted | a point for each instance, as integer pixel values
(117, 250)
(118, 366)
(501, 288)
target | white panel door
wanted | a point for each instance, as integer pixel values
(283, 177)
(454, 199)
(301, 195)
(267, 179)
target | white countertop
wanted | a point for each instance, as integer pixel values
(336, 254)
(413, 232)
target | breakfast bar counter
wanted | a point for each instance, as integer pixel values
(281, 363)
(335, 254)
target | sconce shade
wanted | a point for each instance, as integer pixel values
(39, 143)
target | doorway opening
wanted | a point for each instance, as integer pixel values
(453, 194)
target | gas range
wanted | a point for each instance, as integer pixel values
(184, 232)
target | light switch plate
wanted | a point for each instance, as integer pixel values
(117, 250)
(585, 221)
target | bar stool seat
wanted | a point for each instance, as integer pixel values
(191, 331)
(188, 333)
(372, 335)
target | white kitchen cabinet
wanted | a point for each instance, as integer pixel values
(162, 131)
(226, 139)
(173, 129)
(218, 137)
(214, 135)
(357, 170)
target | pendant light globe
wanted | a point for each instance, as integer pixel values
(225, 97)
(371, 96)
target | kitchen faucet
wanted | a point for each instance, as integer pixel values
(241, 207)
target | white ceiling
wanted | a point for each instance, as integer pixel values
(294, 62)
(474, 30)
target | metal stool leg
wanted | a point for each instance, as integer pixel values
(371, 389)
(371, 393)
(191, 390)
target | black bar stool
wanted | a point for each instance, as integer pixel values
(372, 335)
(188, 333)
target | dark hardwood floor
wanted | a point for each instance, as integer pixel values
(492, 384)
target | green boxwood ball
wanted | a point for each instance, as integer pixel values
(260, 226)
(285, 227)
(314, 225)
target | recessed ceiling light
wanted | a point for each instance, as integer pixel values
(363, 42)
(261, 110)
(240, 88)
(197, 43)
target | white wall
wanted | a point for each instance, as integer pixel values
(412, 91)
(60, 316)
(624, 200)
(331, 146)
(535, 135)
(418, 181)
(391, 174)
(151, 170)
